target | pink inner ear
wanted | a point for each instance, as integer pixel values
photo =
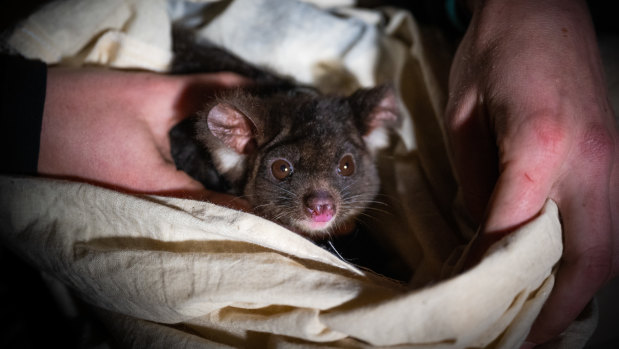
(385, 112)
(232, 127)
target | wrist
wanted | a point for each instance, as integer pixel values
(547, 22)
(522, 9)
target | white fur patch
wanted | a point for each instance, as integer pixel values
(228, 162)
(377, 139)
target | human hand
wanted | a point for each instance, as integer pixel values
(528, 119)
(111, 128)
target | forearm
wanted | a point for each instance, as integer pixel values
(562, 18)
(474, 5)
(534, 19)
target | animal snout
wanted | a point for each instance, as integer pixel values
(320, 206)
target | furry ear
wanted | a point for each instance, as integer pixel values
(229, 135)
(232, 128)
(376, 110)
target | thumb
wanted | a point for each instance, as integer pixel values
(530, 160)
(175, 183)
(473, 148)
(196, 89)
(531, 157)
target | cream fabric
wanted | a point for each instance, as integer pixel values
(117, 33)
(178, 273)
(224, 274)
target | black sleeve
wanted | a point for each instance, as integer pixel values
(22, 96)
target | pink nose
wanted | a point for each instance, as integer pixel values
(320, 206)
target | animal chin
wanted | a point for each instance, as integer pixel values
(314, 225)
(308, 227)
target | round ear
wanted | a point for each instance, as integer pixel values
(376, 111)
(232, 128)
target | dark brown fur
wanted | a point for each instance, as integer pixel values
(245, 131)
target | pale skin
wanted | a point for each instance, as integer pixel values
(111, 128)
(528, 119)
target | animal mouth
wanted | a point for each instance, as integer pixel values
(320, 206)
(321, 214)
(313, 226)
(320, 211)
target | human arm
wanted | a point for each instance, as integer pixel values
(528, 119)
(111, 128)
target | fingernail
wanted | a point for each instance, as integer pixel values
(528, 345)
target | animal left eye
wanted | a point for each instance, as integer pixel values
(346, 166)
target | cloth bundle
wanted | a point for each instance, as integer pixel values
(167, 272)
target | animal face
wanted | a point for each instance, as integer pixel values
(305, 161)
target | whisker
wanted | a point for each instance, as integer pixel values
(335, 250)
(365, 209)
(263, 205)
(293, 194)
(366, 196)
(377, 209)
(352, 201)
(364, 203)
(364, 214)
(388, 196)
(284, 213)
(246, 196)
(350, 185)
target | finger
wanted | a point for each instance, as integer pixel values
(474, 152)
(532, 157)
(227, 200)
(222, 79)
(584, 268)
(585, 205)
(198, 89)
(191, 93)
(179, 184)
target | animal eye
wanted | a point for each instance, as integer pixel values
(346, 166)
(281, 169)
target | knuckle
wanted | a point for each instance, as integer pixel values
(597, 144)
(541, 144)
(550, 134)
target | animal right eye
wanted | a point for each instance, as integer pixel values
(281, 169)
